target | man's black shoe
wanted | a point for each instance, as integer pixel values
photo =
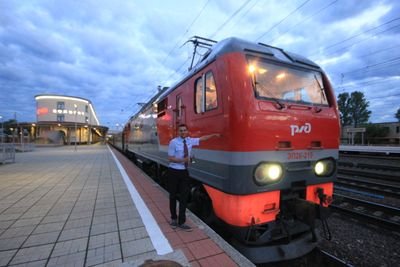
(173, 224)
(185, 227)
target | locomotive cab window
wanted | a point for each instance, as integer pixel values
(206, 93)
(286, 83)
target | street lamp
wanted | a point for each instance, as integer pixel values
(90, 130)
(2, 129)
(76, 134)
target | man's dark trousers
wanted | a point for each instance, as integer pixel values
(178, 187)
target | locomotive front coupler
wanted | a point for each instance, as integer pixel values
(306, 212)
(324, 212)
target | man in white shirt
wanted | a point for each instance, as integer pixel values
(179, 151)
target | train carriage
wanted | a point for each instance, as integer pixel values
(271, 173)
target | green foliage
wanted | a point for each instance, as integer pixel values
(353, 108)
(397, 115)
(7, 126)
(376, 130)
(376, 133)
(344, 108)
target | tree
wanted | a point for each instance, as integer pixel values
(359, 108)
(397, 115)
(353, 108)
(7, 126)
(344, 108)
(376, 133)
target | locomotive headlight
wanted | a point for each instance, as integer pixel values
(267, 173)
(325, 167)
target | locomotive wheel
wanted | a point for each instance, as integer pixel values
(201, 205)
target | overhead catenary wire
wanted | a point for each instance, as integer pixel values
(360, 41)
(368, 67)
(306, 19)
(180, 40)
(245, 13)
(378, 51)
(278, 23)
(229, 19)
(356, 84)
(366, 31)
(363, 40)
(390, 95)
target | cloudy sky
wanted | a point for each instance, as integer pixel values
(117, 52)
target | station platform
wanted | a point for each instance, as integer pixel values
(385, 150)
(93, 207)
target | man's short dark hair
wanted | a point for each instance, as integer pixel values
(182, 125)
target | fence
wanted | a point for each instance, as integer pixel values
(7, 153)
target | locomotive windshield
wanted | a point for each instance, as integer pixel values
(287, 84)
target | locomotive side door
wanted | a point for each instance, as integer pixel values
(179, 112)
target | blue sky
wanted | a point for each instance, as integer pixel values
(116, 53)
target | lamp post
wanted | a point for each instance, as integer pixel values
(90, 131)
(2, 129)
(76, 134)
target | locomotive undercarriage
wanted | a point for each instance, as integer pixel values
(291, 235)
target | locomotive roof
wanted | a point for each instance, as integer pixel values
(234, 44)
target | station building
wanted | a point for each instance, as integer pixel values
(64, 119)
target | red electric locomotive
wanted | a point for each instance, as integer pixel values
(270, 175)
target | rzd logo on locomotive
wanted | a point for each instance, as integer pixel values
(306, 128)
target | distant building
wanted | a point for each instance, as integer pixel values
(351, 135)
(393, 136)
(65, 120)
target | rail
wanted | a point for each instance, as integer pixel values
(380, 188)
(369, 173)
(378, 214)
(7, 153)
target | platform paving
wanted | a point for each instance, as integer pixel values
(61, 207)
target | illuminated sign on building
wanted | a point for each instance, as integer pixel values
(70, 112)
(54, 100)
(42, 111)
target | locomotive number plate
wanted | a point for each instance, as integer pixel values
(301, 155)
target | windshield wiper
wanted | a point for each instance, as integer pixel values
(323, 97)
(279, 105)
(320, 88)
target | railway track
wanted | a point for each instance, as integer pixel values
(331, 260)
(378, 214)
(371, 166)
(377, 174)
(358, 185)
(317, 257)
(373, 156)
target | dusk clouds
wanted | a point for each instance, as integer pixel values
(116, 53)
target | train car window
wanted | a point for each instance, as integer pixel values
(199, 95)
(286, 83)
(162, 107)
(211, 92)
(179, 107)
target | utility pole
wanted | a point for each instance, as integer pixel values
(76, 133)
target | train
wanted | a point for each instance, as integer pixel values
(269, 178)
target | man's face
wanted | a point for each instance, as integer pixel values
(183, 132)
